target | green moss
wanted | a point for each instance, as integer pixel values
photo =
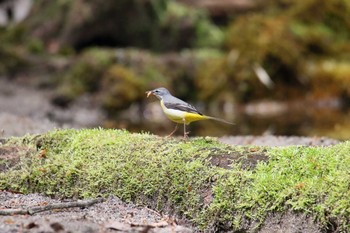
(185, 176)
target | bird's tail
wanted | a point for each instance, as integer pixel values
(219, 119)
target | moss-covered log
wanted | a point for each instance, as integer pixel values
(216, 186)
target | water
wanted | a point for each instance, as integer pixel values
(25, 109)
(301, 118)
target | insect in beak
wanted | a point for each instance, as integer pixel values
(148, 93)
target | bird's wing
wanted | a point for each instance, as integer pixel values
(182, 106)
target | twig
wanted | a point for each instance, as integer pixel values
(153, 211)
(151, 225)
(37, 209)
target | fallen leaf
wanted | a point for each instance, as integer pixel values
(42, 154)
(254, 149)
(44, 203)
(9, 221)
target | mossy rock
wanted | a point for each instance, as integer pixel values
(330, 77)
(121, 86)
(216, 186)
(84, 75)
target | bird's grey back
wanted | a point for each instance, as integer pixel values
(172, 99)
(176, 103)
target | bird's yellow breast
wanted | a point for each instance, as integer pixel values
(182, 117)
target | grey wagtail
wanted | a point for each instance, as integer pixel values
(179, 111)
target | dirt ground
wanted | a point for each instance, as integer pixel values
(25, 109)
(109, 216)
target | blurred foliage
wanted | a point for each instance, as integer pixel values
(120, 77)
(12, 55)
(302, 45)
(85, 73)
(74, 29)
(291, 40)
(116, 50)
(157, 25)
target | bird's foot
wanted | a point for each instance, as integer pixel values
(186, 134)
(171, 134)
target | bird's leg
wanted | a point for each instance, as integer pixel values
(173, 131)
(185, 133)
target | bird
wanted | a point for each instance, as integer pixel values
(178, 110)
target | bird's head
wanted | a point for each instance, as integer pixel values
(159, 92)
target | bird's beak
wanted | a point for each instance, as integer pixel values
(149, 93)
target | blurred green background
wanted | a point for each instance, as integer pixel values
(273, 67)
